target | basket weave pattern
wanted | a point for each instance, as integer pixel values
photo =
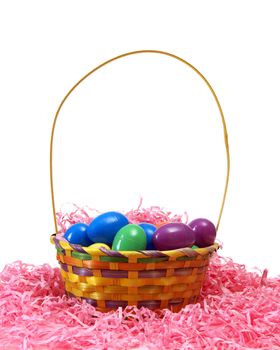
(109, 279)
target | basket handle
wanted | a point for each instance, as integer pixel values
(114, 59)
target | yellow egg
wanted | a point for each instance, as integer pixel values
(99, 245)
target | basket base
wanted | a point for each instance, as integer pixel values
(150, 279)
(174, 305)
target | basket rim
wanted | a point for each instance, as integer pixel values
(187, 251)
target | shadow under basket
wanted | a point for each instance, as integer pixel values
(109, 279)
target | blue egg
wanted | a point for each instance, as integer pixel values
(149, 230)
(77, 234)
(105, 226)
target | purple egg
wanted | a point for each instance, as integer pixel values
(204, 232)
(173, 236)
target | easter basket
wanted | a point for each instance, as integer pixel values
(109, 279)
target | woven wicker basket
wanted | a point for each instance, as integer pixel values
(110, 279)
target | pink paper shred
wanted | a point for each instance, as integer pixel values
(237, 309)
(154, 215)
(74, 214)
(240, 310)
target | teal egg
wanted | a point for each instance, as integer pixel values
(130, 237)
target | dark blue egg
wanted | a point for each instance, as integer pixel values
(105, 226)
(77, 234)
(149, 230)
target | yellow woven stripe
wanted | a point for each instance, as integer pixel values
(132, 290)
(73, 290)
(70, 276)
(136, 297)
(132, 259)
(108, 289)
(169, 272)
(97, 273)
(148, 266)
(99, 289)
(171, 253)
(139, 282)
(125, 282)
(194, 271)
(65, 245)
(63, 277)
(114, 266)
(94, 251)
(151, 266)
(132, 274)
(196, 263)
(134, 255)
(83, 287)
(202, 261)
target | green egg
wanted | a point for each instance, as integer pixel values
(130, 237)
(195, 247)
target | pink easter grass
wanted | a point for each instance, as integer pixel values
(237, 309)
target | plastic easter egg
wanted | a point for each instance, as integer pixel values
(99, 245)
(162, 224)
(77, 234)
(104, 227)
(149, 230)
(130, 237)
(173, 236)
(194, 247)
(204, 231)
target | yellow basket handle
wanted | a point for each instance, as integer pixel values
(114, 59)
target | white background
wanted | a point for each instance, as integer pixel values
(144, 125)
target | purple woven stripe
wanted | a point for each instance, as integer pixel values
(90, 301)
(192, 299)
(152, 274)
(182, 272)
(56, 243)
(114, 274)
(60, 237)
(78, 248)
(71, 295)
(153, 253)
(113, 304)
(113, 253)
(151, 304)
(64, 267)
(176, 301)
(189, 252)
(82, 271)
